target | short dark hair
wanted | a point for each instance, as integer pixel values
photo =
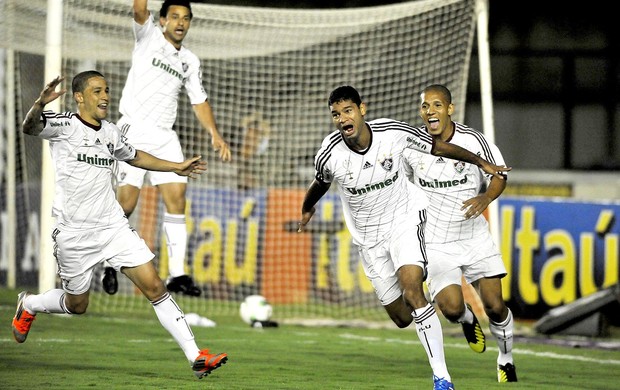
(81, 79)
(442, 89)
(163, 12)
(345, 92)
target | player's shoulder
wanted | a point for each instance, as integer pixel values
(49, 114)
(332, 139)
(331, 146)
(463, 130)
(188, 55)
(387, 125)
(468, 134)
(383, 124)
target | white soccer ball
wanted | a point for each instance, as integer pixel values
(255, 308)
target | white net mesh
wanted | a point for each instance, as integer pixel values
(268, 73)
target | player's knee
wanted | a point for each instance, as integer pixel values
(154, 290)
(451, 310)
(415, 297)
(402, 323)
(77, 307)
(496, 310)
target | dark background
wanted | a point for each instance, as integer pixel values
(555, 81)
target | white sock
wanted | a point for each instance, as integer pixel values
(503, 333)
(467, 317)
(172, 319)
(175, 229)
(52, 301)
(430, 333)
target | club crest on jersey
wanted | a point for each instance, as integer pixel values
(110, 146)
(185, 67)
(387, 163)
(459, 166)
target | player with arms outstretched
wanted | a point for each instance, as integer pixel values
(385, 220)
(161, 67)
(90, 224)
(458, 240)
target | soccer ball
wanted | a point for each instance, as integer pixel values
(255, 308)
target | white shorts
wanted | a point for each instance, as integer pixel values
(79, 252)
(404, 247)
(161, 143)
(473, 259)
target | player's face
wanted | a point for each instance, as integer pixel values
(436, 113)
(93, 102)
(348, 118)
(176, 24)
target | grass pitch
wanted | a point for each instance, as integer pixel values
(100, 350)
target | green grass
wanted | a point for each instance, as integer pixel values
(120, 351)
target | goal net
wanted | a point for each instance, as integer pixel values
(268, 73)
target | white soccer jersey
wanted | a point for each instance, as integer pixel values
(448, 183)
(373, 186)
(158, 73)
(83, 155)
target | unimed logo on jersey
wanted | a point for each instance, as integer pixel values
(95, 160)
(372, 187)
(169, 69)
(441, 184)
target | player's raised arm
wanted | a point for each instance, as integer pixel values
(455, 152)
(190, 167)
(140, 11)
(32, 124)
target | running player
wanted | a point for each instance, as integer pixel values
(90, 224)
(386, 223)
(458, 239)
(161, 67)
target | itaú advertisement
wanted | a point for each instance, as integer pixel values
(556, 251)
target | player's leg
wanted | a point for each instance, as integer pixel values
(54, 301)
(452, 305)
(426, 320)
(407, 254)
(128, 195)
(501, 325)
(446, 264)
(172, 318)
(129, 180)
(175, 229)
(129, 253)
(75, 269)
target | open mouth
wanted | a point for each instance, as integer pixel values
(348, 129)
(433, 123)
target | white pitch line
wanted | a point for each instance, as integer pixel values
(519, 351)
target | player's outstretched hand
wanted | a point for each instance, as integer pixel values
(222, 148)
(495, 170)
(305, 218)
(192, 167)
(49, 93)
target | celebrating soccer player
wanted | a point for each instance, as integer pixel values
(458, 239)
(161, 67)
(385, 218)
(90, 223)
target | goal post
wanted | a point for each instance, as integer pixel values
(268, 73)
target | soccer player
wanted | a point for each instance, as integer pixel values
(90, 224)
(385, 219)
(161, 67)
(458, 240)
